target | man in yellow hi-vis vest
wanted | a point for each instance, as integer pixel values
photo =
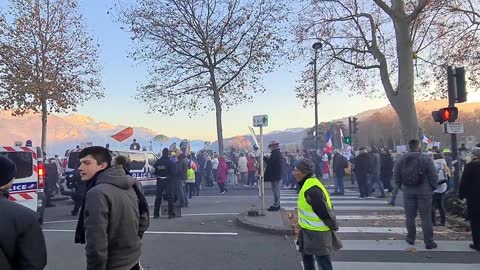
(317, 239)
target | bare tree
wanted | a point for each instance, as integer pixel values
(402, 47)
(204, 52)
(48, 62)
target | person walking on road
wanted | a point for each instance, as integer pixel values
(317, 239)
(470, 190)
(273, 173)
(165, 171)
(222, 172)
(22, 245)
(182, 169)
(339, 165)
(243, 169)
(361, 168)
(386, 169)
(416, 175)
(375, 172)
(114, 214)
(443, 175)
(252, 170)
(208, 171)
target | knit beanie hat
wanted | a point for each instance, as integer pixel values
(305, 166)
(8, 170)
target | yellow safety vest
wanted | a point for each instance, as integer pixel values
(190, 173)
(307, 218)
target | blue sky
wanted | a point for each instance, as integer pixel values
(121, 77)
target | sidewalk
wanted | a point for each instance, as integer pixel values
(273, 222)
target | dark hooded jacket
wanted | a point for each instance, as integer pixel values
(113, 225)
(273, 172)
(22, 245)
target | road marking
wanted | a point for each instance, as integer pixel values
(60, 221)
(186, 215)
(355, 208)
(340, 197)
(402, 266)
(159, 232)
(337, 202)
(395, 230)
(401, 245)
(379, 217)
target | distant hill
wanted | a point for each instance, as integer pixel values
(376, 127)
(76, 129)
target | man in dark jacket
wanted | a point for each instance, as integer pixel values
(339, 165)
(22, 245)
(114, 215)
(165, 171)
(415, 174)
(469, 189)
(386, 169)
(374, 171)
(182, 168)
(362, 164)
(273, 173)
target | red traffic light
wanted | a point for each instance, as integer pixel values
(446, 115)
(449, 114)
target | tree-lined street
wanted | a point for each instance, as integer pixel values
(207, 237)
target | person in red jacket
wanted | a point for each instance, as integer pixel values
(222, 172)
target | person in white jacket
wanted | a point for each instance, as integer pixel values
(242, 168)
(443, 175)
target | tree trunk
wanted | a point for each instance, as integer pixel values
(218, 111)
(404, 101)
(44, 125)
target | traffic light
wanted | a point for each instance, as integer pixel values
(354, 125)
(347, 140)
(461, 85)
(449, 114)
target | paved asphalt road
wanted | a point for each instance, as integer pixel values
(206, 237)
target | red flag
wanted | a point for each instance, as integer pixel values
(123, 134)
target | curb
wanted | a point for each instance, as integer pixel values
(59, 199)
(457, 221)
(242, 221)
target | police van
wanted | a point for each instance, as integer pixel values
(141, 167)
(29, 184)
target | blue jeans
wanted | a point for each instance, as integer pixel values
(323, 262)
(376, 179)
(182, 195)
(339, 184)
(394, 194)
(276, 193)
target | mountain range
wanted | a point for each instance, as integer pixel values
(376, 127)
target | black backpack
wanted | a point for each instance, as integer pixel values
(411, 172)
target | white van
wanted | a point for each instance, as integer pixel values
(29, 184)
(141, 167)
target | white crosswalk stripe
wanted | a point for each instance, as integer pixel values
(357, 240)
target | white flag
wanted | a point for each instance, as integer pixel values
(341, 133)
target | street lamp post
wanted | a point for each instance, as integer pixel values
(316, 46)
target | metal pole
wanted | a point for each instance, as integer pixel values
(452, 90)
(262, 180)
(316, 94)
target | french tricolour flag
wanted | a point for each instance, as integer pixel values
(426, 140)
(329, 144)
